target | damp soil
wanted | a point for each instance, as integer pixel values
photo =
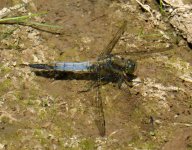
(40, 111)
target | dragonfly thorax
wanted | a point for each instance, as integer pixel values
(117, 64)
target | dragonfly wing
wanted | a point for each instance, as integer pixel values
(99, 112)
(113, 42)
(146, 52)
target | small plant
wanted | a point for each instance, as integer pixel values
(161, 7)
(6, 34)
(25, 21)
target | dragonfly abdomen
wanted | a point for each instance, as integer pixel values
(41, 66)
(72, 66)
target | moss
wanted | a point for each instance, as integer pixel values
(149, 146)
(5, 86)
(87, 144)
(138, 114)
(5, 119)
(41, 136)
(30, 102)
(5, 70)
(189, 147)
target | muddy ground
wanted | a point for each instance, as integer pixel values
(43, 112)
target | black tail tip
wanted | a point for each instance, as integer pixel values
(40, 66)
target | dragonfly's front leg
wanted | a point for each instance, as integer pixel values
(129, 84)
(120, 82)
(128, 80)
(122, 77)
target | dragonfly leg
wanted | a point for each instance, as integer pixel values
(120, 82)
(126, 79)
(129, 84)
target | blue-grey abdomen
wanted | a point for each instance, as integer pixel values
(70, 66)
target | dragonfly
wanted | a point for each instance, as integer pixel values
(107, 62)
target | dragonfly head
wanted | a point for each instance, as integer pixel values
(130, 66)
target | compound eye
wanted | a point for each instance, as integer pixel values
(130, 67)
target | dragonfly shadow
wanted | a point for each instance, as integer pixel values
(62, 75)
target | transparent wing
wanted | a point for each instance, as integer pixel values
(98, 108)
(108, 49)
(146, 52)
